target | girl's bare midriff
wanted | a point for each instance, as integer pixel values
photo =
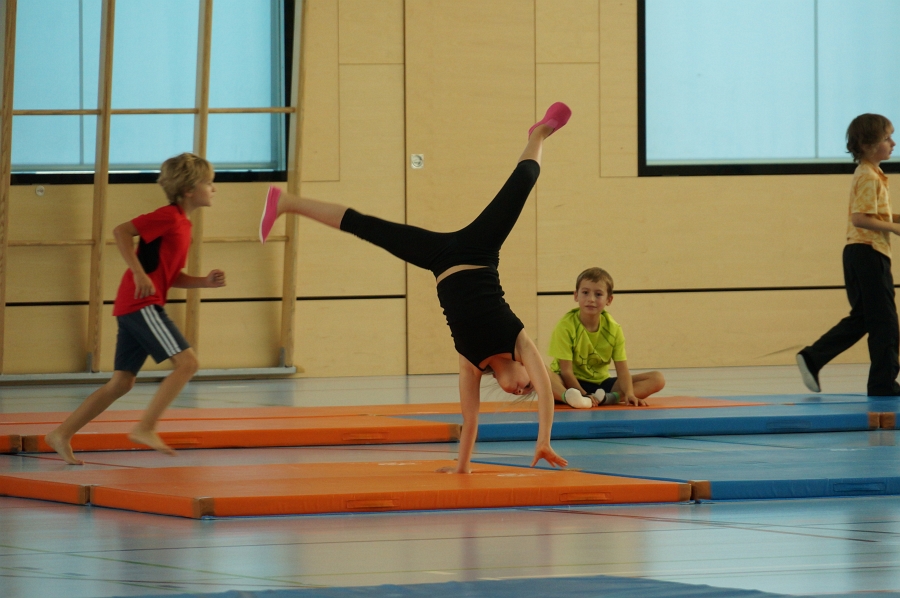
(454, 270)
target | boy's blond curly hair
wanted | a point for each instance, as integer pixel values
(179, 174)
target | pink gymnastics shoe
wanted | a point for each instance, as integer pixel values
(270, 213)
(557, 116)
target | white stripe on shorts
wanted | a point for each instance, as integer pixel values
(160, 331)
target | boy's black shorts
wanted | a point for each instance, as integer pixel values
(591, 388)
(148, 331)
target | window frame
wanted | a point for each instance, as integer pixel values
(729, 169)
(149, 176)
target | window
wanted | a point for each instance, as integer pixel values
(761, 86)
(154, 86)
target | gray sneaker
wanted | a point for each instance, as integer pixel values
(810, 378)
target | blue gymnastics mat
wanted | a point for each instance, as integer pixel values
(599, 586)
(876, 404)
(836, 465)
(802, 399)
(616, 423)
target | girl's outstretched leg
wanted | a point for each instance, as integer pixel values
(418, 246)
(278, 202)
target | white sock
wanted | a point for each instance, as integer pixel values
(576, 400)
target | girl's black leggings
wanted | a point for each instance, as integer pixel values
(477, 244)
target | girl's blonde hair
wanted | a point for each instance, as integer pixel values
(179, 174)
(492, 392)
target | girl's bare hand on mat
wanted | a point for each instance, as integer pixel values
(549, 455)
(453, 470)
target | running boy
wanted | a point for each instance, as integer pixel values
(867, 266)
(144, 327)
(583, 343)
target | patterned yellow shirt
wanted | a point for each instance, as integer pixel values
(869, 195)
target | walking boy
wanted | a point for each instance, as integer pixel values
(584, 342)
(144, 327)
(867, 266)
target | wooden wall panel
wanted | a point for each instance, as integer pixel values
(371, 31)
(361, 337)
(240, 335)
(235, 212)
(567, 31)
(42, 340)
(332, 262)
(321, 94)
(62, 213)
(618, 88)
(468, 110)
(698, 232)
(40, 274)
(251, 270)
(669, 330)
(569, 225)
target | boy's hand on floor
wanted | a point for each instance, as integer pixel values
(633, 400)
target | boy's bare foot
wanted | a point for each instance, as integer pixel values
(151, 439)
(62, 447)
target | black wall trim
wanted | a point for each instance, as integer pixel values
(705, 290)
(120, 178)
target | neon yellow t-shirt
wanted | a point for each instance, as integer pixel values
(589, 352)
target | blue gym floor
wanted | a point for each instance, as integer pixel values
(837, 534)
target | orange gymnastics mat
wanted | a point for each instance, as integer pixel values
(232, 433)
(10, 443)
(271, 426)
(293, 489)
(245, 413)
(57, 417)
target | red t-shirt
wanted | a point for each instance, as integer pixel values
(165, 239)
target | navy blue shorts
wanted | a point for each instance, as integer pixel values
(591, 388)
(146, 332)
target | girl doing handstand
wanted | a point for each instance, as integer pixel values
(486, 333)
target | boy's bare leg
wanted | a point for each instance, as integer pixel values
(327, 213)
(145, 431)
(60, 439)
(557, 386)
(645, 384)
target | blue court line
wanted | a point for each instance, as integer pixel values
(762, 473)
(600, 423)
(571, 587)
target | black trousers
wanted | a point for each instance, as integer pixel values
(477, 244)
(870, 289)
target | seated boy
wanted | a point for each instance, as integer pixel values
(583, 343)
